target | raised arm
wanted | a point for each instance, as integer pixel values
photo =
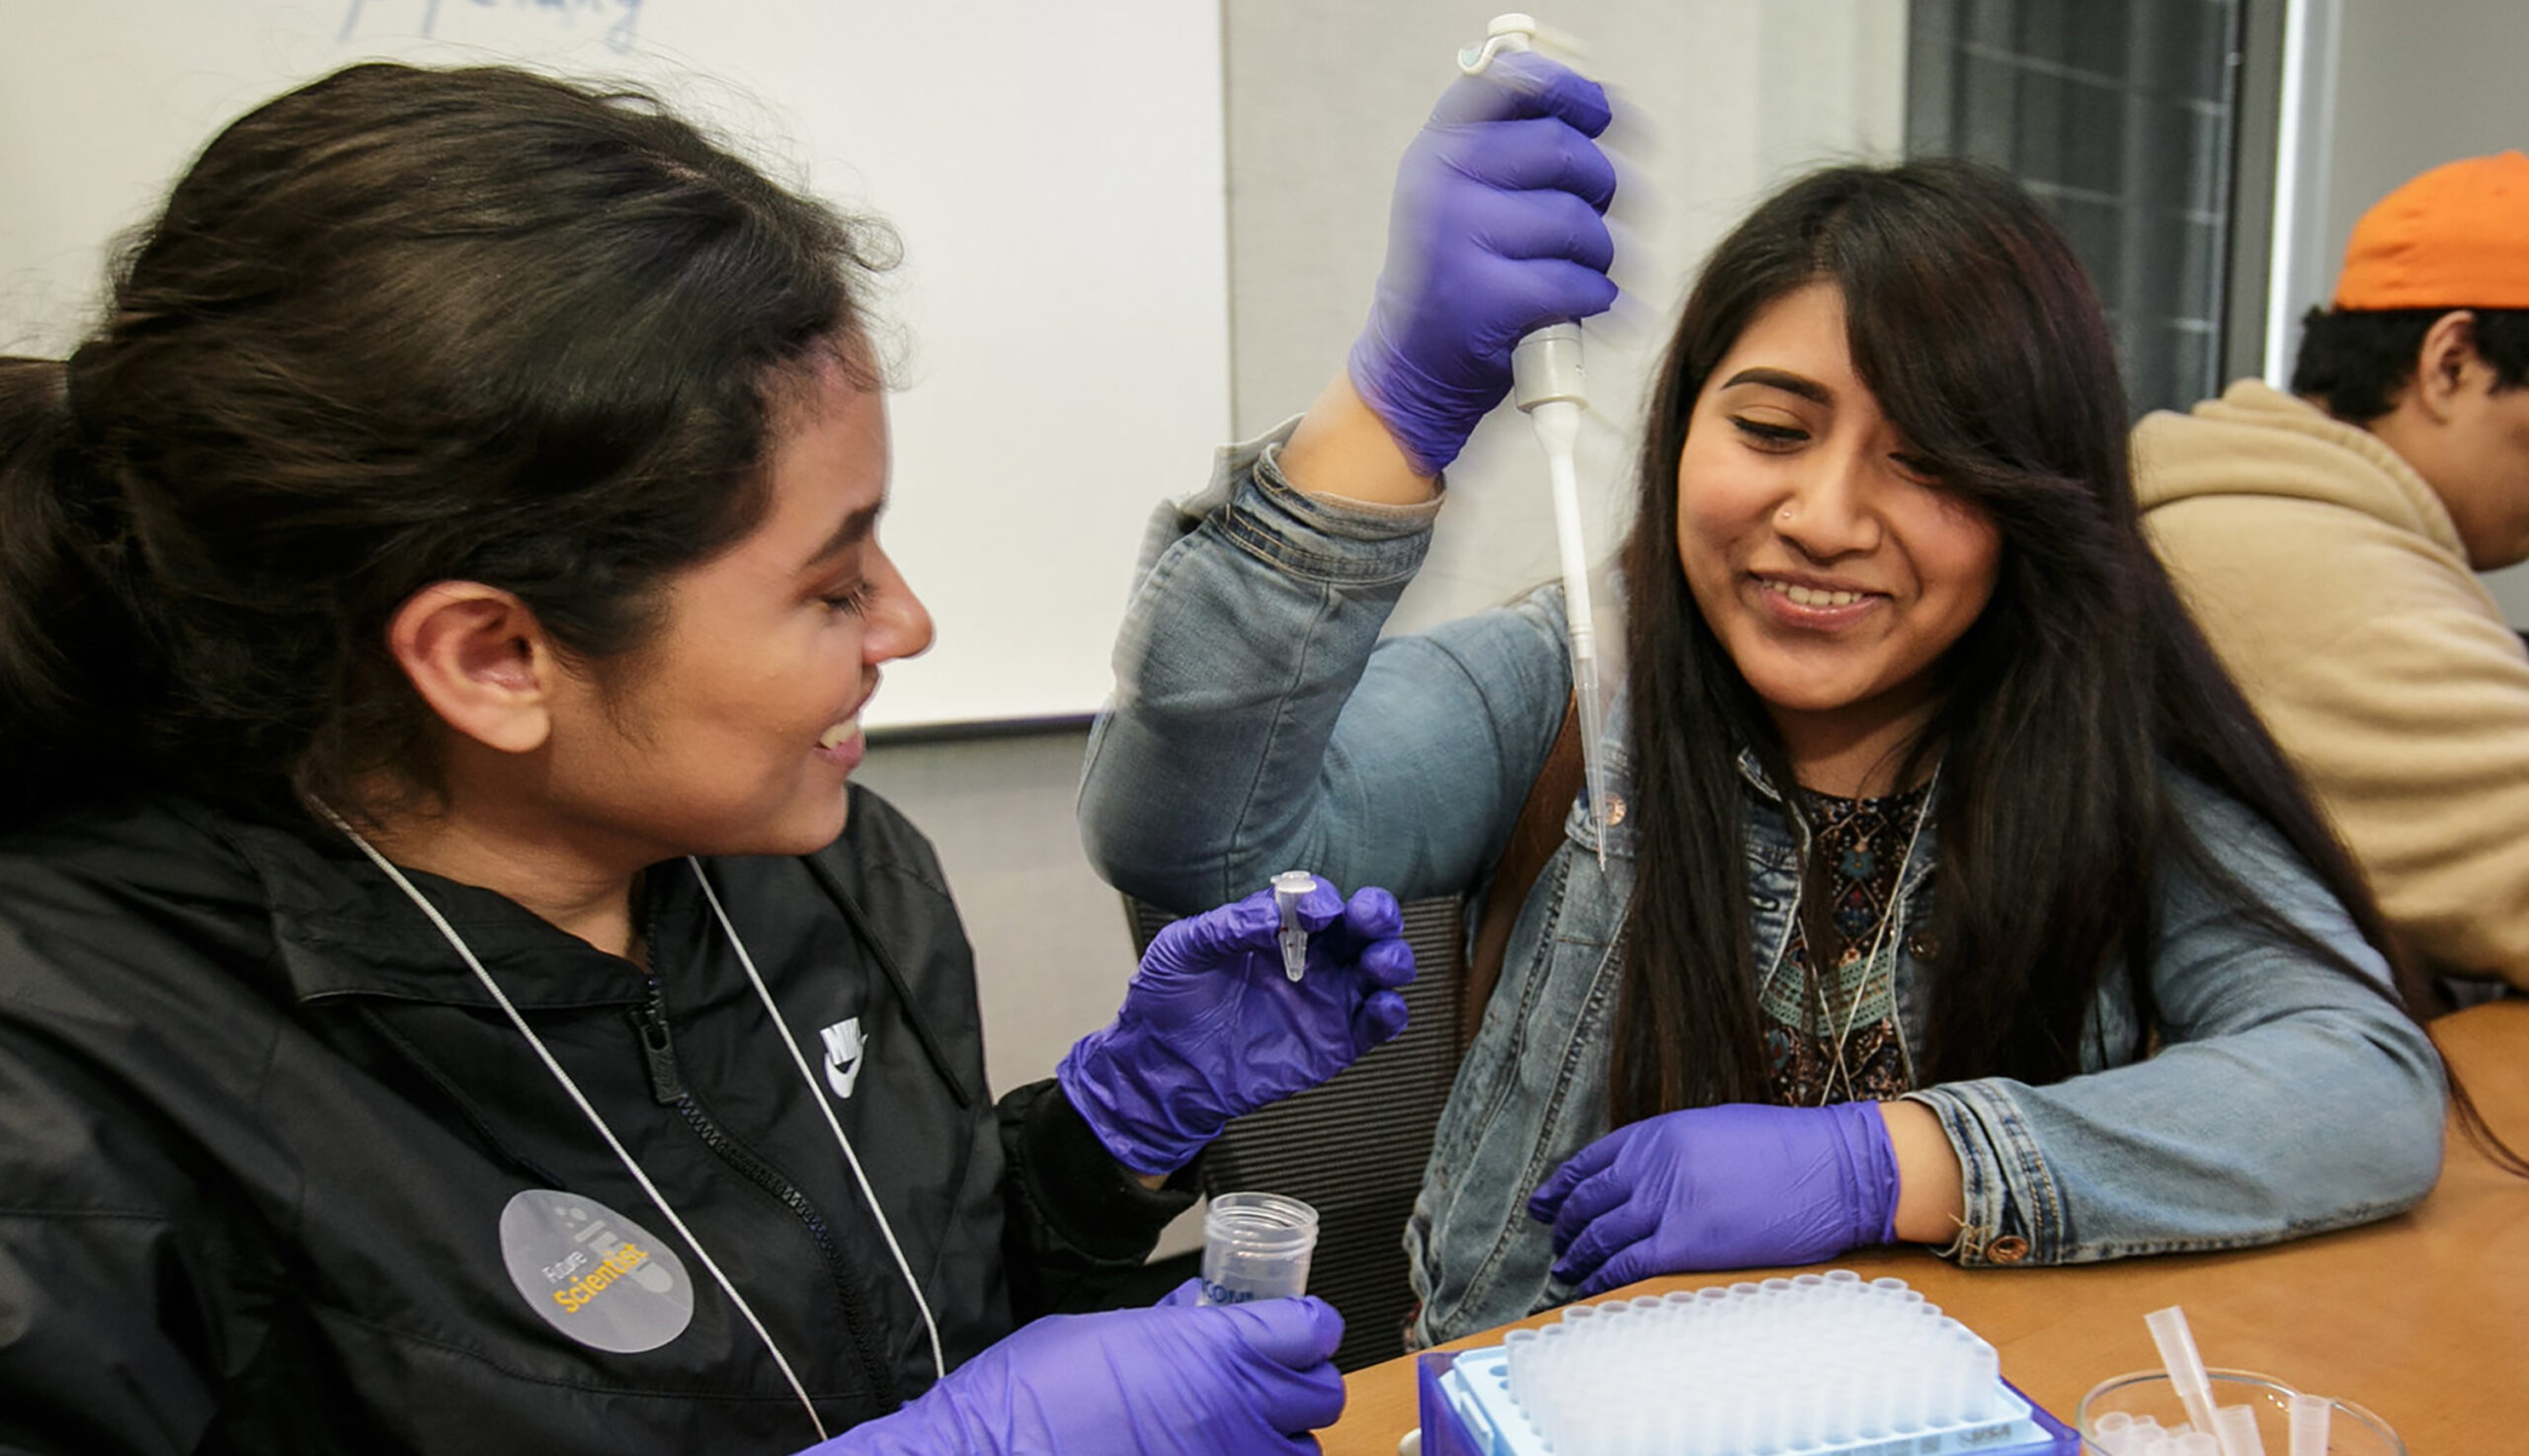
(1258, 725)
(1254, 727)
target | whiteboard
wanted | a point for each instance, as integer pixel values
(1056, 175)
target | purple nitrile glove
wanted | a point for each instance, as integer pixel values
(1244, 1380)
(1736, 1187)
(1211, 1028)
(1494, 231)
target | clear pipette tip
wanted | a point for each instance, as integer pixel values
(2178, 1356)
(2310, 1417)
(1288, 887)
(1593, 764)
(2234, 1426)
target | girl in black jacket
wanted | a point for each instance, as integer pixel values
(436, 610)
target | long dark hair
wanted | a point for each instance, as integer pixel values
(395, 327)
(2069, 701)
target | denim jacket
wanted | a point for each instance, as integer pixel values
(1259, 723)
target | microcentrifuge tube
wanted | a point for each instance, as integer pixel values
(1288, 887)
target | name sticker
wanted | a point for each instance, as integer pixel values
(594, 1274)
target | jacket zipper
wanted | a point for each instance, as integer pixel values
(667, 1084)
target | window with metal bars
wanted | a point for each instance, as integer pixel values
(2122, 116)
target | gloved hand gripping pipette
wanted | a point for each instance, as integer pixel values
(1550, 388)
(1496, 245)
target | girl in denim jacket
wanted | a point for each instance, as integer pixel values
(1947, 892)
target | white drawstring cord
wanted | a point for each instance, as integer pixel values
(939, 1362)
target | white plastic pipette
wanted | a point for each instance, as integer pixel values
(1549, 387)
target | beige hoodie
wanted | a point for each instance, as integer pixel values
(2331, 581)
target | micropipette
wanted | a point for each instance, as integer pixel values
(1549, 387)
(1288, 887)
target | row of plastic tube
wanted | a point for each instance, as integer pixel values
(2121, 1434)
(2208, 1429)
(1802, 1365)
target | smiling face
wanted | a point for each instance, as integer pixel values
(733, 729)
(1833, 569)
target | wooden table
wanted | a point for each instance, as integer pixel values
(2424, 1318)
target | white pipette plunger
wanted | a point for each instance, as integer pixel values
(1549, 387)
(1288, 887)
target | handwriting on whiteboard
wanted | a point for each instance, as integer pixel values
(617, 18)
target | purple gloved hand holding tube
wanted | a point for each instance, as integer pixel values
(1242, 1380)
(1740, 1185)
(1495, 230)
(1213, 1028)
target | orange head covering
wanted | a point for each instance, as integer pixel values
(2455, 237)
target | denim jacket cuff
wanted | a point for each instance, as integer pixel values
(2015, 1211)
(1256, 509)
